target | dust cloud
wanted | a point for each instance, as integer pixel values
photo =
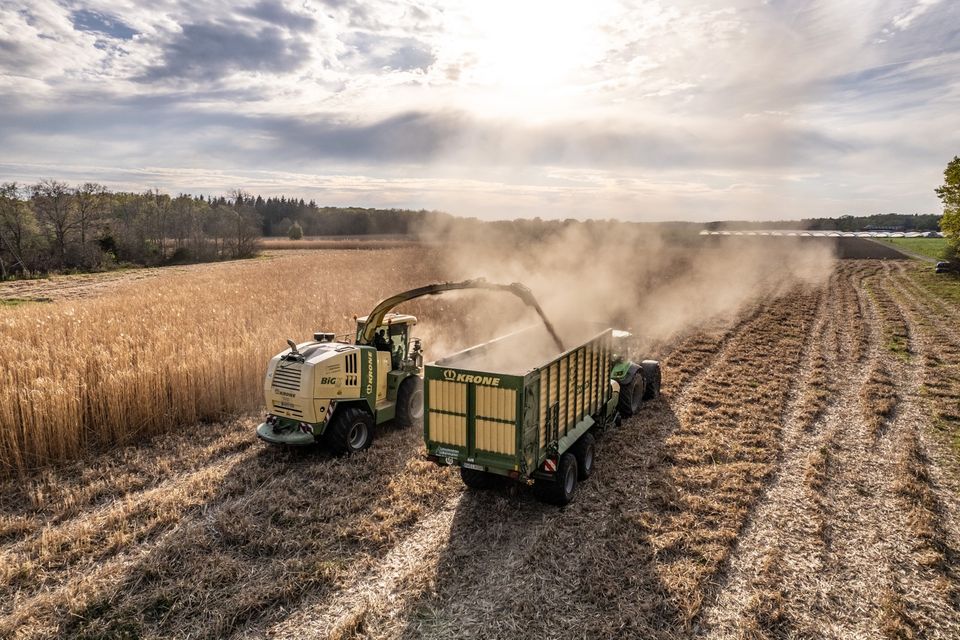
(656, 281)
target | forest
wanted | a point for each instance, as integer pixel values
(51, 226)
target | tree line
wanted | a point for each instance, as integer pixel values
(53, 226)
(875, 222)
(280, 214)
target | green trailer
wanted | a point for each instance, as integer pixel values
(510, 408)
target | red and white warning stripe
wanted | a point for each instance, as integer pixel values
(550, 465)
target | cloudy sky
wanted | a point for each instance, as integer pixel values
(638, 110)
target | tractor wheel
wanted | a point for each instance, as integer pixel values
(651, 376)
(350, 431)
(560, 490)
(631, 395)
(584, 450)
(410, 402)
(477, 479)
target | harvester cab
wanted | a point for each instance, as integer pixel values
(394, 338)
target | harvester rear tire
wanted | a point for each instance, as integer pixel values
(350, 431)
(410, 402)
(631, 395)
(560, 490)
(651, 377)
(584, 450)
(479, 480)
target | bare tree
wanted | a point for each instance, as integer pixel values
(161, 211)
(54, 205)
(91, 202)
(248, 229)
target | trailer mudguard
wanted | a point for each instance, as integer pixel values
(624, 372)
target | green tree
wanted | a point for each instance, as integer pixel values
(949, 194)
(295, 232)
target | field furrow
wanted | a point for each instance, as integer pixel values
(834, 527)
(765, 588)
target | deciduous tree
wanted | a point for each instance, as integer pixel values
(55, 207)
(949, 194)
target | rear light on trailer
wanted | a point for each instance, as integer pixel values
(514, 475)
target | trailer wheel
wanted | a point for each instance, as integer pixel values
(584, 450)
(631, 395)
(477, 479)
(350, 431)
(651, 377)
(410, 402)
(560, 490)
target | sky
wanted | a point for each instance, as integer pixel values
(642, 110)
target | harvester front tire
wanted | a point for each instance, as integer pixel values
(410, 402)
(351, 431)
(560, 490)
(651, 377)
(585, 450)
(478, 480)
(631, 395)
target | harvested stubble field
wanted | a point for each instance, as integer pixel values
(796, 479)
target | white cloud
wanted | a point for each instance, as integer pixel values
(904, 20)
(646, 108)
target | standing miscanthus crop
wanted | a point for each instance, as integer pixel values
(171, 351)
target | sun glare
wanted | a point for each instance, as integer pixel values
(525, 51)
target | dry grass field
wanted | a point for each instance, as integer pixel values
(340, 242)
(798, 477)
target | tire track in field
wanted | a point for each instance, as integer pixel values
(747, 599)
(844, 548)
(924, 596)
(865, 524)
(828, 557)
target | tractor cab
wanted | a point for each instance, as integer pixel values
(392, 336)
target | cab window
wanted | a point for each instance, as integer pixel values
(398, 338)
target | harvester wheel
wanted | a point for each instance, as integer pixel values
(410, 402)
(584, 450)
(350, 431)
(631, 395)
(560, 490)
(651, 376)
(477, 479)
